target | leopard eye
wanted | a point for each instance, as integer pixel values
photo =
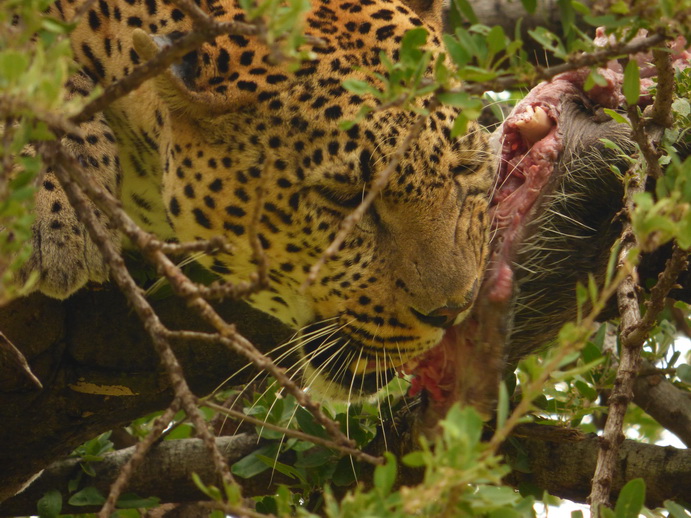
(465, 168)
(341, 199)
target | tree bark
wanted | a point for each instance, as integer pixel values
(169, 461)
(668, 405)
(562, 468)
(99, 371)
(565, 469)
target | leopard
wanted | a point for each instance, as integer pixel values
(192, 152)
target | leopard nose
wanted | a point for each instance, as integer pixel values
(445, 316)
(441, 317)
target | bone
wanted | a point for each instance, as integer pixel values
(534, 125)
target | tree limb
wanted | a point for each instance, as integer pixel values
(668, 405)
(667, 471)
(99, 371)
(172, 461)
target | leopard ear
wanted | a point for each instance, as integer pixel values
(176, 85)
(429, 11)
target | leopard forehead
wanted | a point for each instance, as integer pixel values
(226, 127)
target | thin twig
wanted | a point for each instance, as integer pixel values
(642, 138)
(589, 59)
(634, 329)
(353, 452)
(136, 459)
(622, 392)
(68, 170)
(185, 288)
(662, 107)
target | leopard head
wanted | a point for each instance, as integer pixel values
(243, 129)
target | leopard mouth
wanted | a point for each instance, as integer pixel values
(346, 366)
(530, 144)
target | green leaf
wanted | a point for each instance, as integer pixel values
(414, 459)
(411, 43)
(73, 484)
(133, 501)
(632, 82)
(211, 491)
(616, 116)
(87, 496)
(359, 87)
(252, 465)
(675, 510)
(580, 8)
(385, 475)
(346, 472)
(609, 20)
(567, 15)
(308, 424)
(465, 9)
(287, 470)
(459, 54)
(619, 8)
(457, 99)
(595, 78)
(586, 390)
(549, 41)
(681, 107)
(460, 126)
(529, 5)
(13, 64)
(233, 493)
(50, 504)
(631, 499)
(684, 373)
(581, 295)
(504, 512)
(496, 39)
(314, 458)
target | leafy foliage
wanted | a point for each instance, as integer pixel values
(32, 75)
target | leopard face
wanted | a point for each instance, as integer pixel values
(198, 145)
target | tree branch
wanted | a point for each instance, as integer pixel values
(668, 405)
(99, 370)
(172, 461)
(666, 470)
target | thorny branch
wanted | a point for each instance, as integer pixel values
(185, 288)
(206, 29)
(590, 59)
(622, 392)
(140, 450)
(634, 329)
(662, 113)
(61, 164)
